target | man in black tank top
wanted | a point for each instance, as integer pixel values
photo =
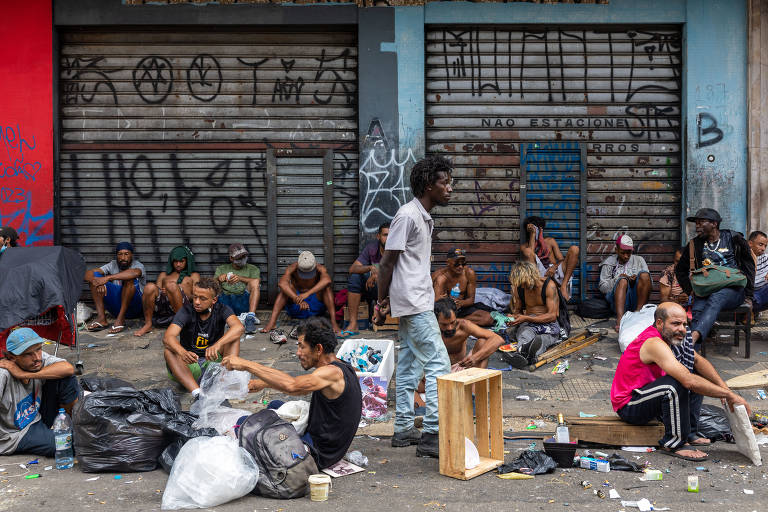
(336, 405)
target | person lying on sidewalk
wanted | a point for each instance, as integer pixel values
(652, 381)
(336, 404)
(33, 386)
(197, 335)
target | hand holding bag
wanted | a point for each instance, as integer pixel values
(710, 278)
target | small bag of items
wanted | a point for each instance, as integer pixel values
(364, 359)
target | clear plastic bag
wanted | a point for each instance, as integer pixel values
(209, 471)
(219, 384)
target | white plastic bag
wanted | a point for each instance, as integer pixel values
(223, 419)
(297, 412)
(209, 471)
(743, 434)
(219, 384)
(633, 323)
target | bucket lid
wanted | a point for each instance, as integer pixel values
(319, 479)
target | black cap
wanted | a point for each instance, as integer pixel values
(455, 252)
(706, 214)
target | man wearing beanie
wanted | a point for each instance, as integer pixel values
(162, 300)
(240, 283)
(117, 287)
(624, 279)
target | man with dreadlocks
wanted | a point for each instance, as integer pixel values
(405, 265)
(163, 299)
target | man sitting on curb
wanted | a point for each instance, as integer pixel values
(457, 272)
(163, 300)
(455, 332)
(197, 335)
(118, 287)
(240, 283)
(305, 290)
(545, 254)
(363, 274)
(624, 279)
(33, 386)
(650, 383)
(335, 407)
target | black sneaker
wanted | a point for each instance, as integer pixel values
(429, 446)
(515, 360)
(406, 438)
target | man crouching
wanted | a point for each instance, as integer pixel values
(33, 386)
(651, 383)
(336, 404)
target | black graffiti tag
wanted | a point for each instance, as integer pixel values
(710, 128)
(77, 71)
(153, 79)
(254, 65)
(337, 78)
(204, 77)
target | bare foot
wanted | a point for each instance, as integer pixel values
(564, 292)
(700, 441)
(688, 454)
(352, 326)
(146, 328)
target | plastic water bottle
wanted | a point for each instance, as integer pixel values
(62, 431)
(455, 291)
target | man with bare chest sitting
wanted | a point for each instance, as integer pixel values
(305, 291)
(458, 274)
(455, 332)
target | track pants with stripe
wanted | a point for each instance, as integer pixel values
(668, 400)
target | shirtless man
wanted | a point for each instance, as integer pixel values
(455, 332)
(535, 326)
(457, 271)
(305, 291)
(163, 299)
(545, 254)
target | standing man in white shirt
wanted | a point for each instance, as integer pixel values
(405, 289)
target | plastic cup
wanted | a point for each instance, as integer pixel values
(319, 486)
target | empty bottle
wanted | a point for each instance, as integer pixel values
(62, 431)
(455, 291)
(561, 434)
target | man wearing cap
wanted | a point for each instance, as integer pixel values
(757, 242)
(458, 273)
(117, 287)
(305, 291)
(162, 300)
(240, 283)
(8, 238)
(33, 386)
(715, 246)
(624, 279)
(363, 276)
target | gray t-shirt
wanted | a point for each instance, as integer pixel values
(410, 291)
(19, 405)
(113, 268)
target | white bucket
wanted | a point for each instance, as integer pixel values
(319, 485)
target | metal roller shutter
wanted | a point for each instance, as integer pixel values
(165, 138)
(615, 90)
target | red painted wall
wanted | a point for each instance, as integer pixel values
(26, 121)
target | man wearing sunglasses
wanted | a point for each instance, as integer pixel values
(458, 273)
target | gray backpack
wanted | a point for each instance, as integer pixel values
(283, 459)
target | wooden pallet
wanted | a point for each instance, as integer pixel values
(612, 430)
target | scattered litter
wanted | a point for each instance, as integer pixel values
(561, 367)
(46, 468)
(356, 457)
(29, 477)
(118, 477)
(522, 397)
(599, 493)
(91, 479)
(372, 437)
(749, 491)
(693, 483)
(32, 462)
(22, 466)
(600, 358)
(586, 484)
(601, 454)
(111, 336)
(644, 505)
(761, 394)
(586, 415)
(594, 464)
(515, 476)
(613, 494)
(638, 449)
(653, 474)
(362, 424)
(702, 468)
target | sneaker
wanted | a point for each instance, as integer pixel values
(406, 438)
(294, 334)
(429, 446)
(251, 322)
(277, 337)
(515, 360)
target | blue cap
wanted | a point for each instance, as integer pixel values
(21, 339)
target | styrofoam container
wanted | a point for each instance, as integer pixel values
(375, 397)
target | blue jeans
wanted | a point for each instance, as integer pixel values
(113, 299)
(630, 302)
(422, 351)
(760, 300)
(238, 303)
(706, 309)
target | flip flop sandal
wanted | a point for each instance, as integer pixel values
(347, 334)
(679, 456)
(117, 329)
(95, 327)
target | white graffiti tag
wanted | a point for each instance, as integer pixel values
(383, 188)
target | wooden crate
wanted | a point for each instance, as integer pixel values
(612, 430)
(454, 393)
(390, 324)
(362, 312)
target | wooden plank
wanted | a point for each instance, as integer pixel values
(749, 380)
(611, 430)
(483, 442)
(496, 414)
(485, 465)
(471, 375)
(451, 439)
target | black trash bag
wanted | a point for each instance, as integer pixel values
(169, 454)
(93, 382)
(125, 430)
(535, 460)
(619, 463)
(714, 424)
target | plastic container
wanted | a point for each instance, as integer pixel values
(387, 366)
(319, 487)
(62, 432)
(562, 453)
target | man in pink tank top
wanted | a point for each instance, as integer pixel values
(650, 383)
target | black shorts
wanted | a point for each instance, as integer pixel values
(468, 310)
